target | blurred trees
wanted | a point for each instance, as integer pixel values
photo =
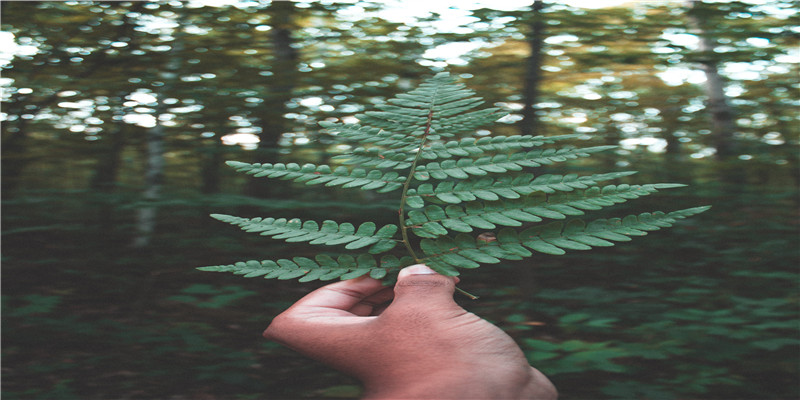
(621, 73)
(265, 73)
(533, 72)
(91, 86)
(722, 116)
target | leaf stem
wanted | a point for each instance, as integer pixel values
(468, 294)
(407, 184)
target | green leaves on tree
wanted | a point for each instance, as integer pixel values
(449, 189)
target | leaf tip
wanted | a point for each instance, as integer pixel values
(235, 164)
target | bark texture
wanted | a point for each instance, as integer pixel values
(720, 110)
(281, 87)
(533, 73)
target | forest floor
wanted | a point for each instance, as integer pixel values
(704, 310)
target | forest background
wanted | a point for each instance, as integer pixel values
(118, 116)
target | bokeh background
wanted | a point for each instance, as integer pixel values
(117, 118)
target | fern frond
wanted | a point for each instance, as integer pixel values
(311, 174)
(377, 158)
(366, 134)
(403, 156)
(467, 122)
(487, 188)
(464, 251)
(468, 147)
(323, 267)
(435, 221)
(438, 106)
(464, 167)
(415, 134)
(329, 233)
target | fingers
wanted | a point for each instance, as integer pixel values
(419, 283)
(372, 305)
(318, 309)
(340, 297)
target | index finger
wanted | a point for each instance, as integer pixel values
(337, 298)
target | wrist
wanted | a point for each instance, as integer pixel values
(460, 384)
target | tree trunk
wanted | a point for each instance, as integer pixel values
(154, 139)
(283, 81)
(722, 115)
(153, 179)
(533, 73)
(211, 167)
(105, 174)
(14, 156)
(672, 170)
(15, 137)
(530, 124)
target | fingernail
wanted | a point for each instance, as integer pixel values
(419, 269)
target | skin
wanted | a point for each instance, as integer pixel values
(422, 346)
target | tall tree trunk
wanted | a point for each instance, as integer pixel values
(530, 124)
(672, 168)
(154, 139)
(721, 113)
(105, 174)
(283, 82)
(533, 73)
(153, 179)
(211, 167)
(15, 137)
(14, 156)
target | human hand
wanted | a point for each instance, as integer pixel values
(422, 346)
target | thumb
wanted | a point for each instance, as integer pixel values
(419, 283)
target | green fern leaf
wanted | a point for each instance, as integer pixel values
(471, 146)
(503, 187)
(552, 238)
(356, 133)
(403, 157)
(377, 158)
(450, 186)
(464, 167)
(322, 268)
(329, 233)
(438, 106)
(312, 174)
(485, 215)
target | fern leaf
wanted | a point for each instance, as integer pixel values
(329, 233)
(366, 134)
(414, 134)
(438, 105)
(507, 187)
(433, 221)
(402, 157)
(553, 238)
(323, 267)
(377, 158)
(468, 147)
(467, 122)
(464, 167)
(312, 174)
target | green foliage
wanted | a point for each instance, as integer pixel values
(329, 233)
(323, 267)
(207, 296)
(480, 184)
(37, 304)
(87, 317)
